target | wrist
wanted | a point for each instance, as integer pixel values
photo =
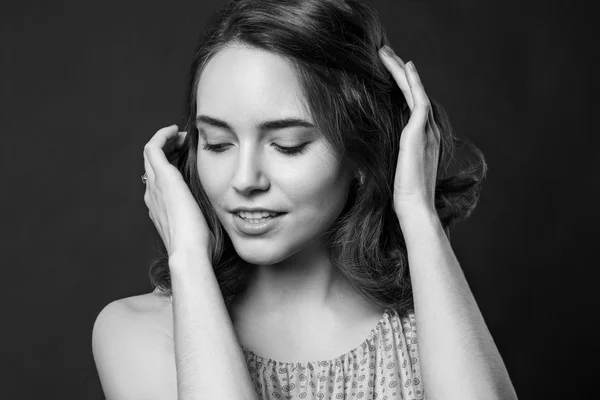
(182, 261)
(417, 219)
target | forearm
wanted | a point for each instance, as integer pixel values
(209, 360)
(459, 358)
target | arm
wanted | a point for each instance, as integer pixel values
(210, 362)
(209, 359)
(459, 358)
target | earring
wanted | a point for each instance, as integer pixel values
(361, 178)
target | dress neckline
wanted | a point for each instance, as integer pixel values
(387, 314)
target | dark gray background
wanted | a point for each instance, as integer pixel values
(86, 84)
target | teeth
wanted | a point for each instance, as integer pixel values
(255, 215)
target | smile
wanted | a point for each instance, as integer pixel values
(256, 216)
(256, 220)
(249, 225)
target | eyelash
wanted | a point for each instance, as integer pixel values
(292, 151)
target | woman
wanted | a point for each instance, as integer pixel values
(305, 215)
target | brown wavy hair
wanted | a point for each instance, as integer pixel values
(359, 108)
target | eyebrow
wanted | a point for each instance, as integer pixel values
(263, 126)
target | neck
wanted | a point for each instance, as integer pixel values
(305, 280)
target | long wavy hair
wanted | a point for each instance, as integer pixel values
(359, 108)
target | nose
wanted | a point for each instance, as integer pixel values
(249, 175)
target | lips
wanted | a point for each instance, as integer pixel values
(257, 215)
(256, 227)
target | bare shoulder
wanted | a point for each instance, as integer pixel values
(133, 349)
(152, 308)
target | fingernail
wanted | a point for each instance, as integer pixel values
(411, 65)
(388, 50)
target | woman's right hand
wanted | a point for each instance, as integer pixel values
(171, 205)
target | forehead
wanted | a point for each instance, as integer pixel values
(242, 84)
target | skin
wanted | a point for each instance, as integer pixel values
(289, 264)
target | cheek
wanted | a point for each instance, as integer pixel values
(212, 180)
(320, 192)
(331, 196)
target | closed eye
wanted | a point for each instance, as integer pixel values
(291, 150)
(221, 147)
(216, 148)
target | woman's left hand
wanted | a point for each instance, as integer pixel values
(416, 170)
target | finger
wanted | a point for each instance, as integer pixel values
(433, 132)
(148, 168)
(154, 148)
(149, 179)
(173, 149)
(420, 113)
(175, 141)
(181, 138)
(396, 66)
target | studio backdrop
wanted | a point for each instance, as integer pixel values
(86, 84)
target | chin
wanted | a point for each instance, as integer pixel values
(257, 256)
(265, 253)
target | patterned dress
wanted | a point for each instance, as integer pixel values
(384, 367)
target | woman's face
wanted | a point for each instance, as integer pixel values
(249, 111)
